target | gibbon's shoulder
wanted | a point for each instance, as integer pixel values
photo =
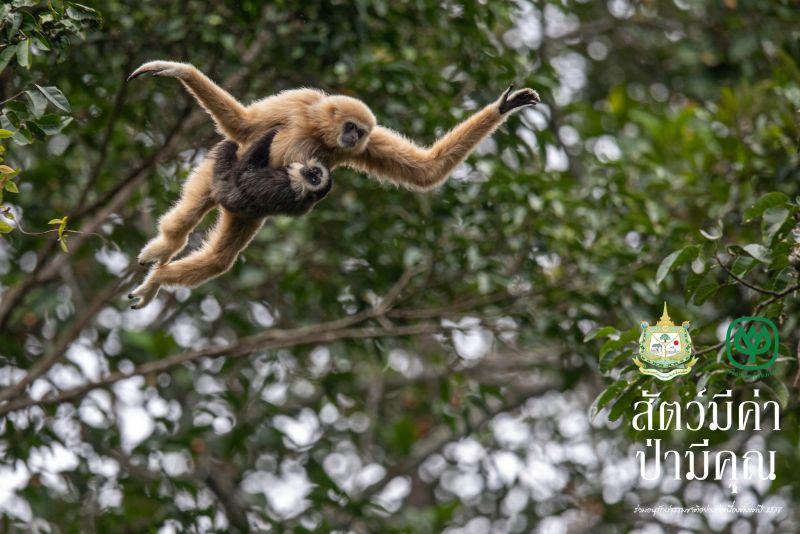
(300, 96)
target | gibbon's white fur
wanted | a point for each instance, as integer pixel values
(336, 130)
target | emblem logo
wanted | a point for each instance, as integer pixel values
(665, 350)
(760, 339)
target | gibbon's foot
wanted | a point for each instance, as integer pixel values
(144, 294)
(159, 68)
(523, 97)
(158, 251)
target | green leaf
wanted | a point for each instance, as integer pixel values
(599, 332)
(780, 390)
(625, 402)
(80, 12)
(606, 396)
(63, 244)
(675, 260)
(52, 124)
(37, 103)
(5, 134)
(772, 222)
(58, 221)
(6, 55)
(770, 200)
(759, 252)
(55, 96)
(11, 187)
(42, 42)
(625, 338)
(37, 132)
(706, 288)
(613, 359)
(24, 53)
(743, 265)
(5, 227)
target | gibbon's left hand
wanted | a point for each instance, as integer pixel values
(523, 97)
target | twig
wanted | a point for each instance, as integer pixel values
(388, 301)
(711, 348)
(743, 281)
(779, 295)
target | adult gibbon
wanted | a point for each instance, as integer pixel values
(250, 187)
(336, 130)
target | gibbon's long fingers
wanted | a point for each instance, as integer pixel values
(523, 97)
(228, 238)
(176, 225)
(230, 116)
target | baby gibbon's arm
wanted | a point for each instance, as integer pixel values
(230, 116)
(392, 156)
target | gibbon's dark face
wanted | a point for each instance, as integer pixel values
(352, 133)
(313, 175)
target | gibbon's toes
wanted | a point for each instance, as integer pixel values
(158, 251)
(157, 68)
(144, 295)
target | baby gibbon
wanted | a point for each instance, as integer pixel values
(250, 188)
(336, 130)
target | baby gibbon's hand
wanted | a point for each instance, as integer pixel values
(523, 97)
(160, 68)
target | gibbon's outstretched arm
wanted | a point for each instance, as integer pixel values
(395, 158)
(229, 115)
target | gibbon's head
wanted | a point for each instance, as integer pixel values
(309, 178)
(345, 123)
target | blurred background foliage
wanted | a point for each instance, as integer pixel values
(393, 362)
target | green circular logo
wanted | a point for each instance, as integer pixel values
(753, 337)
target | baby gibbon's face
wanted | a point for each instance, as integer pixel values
(308, 178)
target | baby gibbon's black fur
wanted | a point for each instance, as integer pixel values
(250, 188)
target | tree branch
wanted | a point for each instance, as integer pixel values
(274, 339)
(742, 281)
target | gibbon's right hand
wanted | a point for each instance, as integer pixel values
(159, 68)
(523, 97)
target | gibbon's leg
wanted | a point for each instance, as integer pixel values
(230, 116)
(392, 156)
(175, 226)
(217, 255)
